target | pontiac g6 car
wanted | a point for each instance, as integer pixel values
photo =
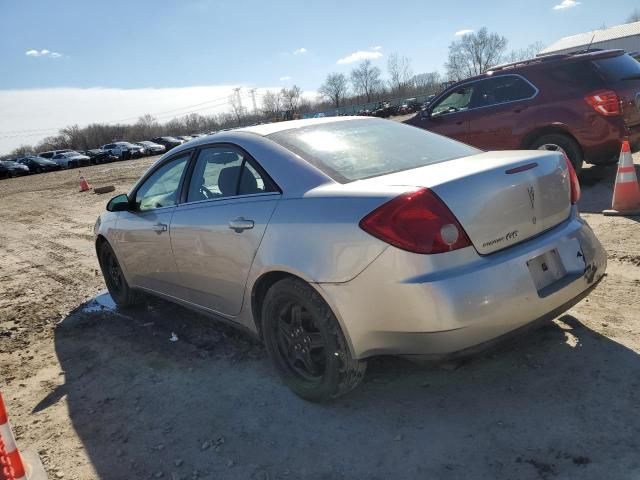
(335, 240)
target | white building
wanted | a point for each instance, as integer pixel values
(625, 37)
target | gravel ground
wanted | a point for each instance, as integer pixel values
(102, 394)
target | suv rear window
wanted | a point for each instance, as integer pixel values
(357, 149)
(616, 69)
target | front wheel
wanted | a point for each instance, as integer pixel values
(119, 289)
(306, 344)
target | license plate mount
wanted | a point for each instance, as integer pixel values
(546, 269)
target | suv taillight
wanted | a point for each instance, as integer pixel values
(605, 102)
(573, 180)
(418, 222)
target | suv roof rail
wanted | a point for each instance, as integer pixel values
(543, 58)
(530, 61)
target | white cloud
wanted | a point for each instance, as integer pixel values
(358, 56)
(42, 53)
(376, 48)
(285, 78)
(564, 4)
(300, 51)
(459, 33)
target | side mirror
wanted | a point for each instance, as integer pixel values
(119, 203)
(426, 113)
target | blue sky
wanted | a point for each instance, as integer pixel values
(145, 44)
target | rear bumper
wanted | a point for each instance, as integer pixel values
(408, 304)
(604, 139)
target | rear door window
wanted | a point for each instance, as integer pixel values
(223, 171)
(620, 68)
(504, 89)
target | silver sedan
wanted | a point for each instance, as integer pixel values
(338, 239)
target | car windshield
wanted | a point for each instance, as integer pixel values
(619, 68)
(358, 149)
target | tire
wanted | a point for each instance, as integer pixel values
(566, 144)
(300, 331)
(119, 289)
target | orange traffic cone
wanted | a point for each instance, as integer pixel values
(16, 465)
(84, 185)
(626, 192)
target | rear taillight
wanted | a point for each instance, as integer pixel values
(418, 222)
(605, 102)
(573, 180)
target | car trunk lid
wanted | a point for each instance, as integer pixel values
(499, 198)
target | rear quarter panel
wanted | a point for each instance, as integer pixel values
(318, 239)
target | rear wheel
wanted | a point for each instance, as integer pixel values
(563, 143)
(305, 343)
(119, 289)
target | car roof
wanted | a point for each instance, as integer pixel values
(269, 128)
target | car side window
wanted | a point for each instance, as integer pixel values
(224, 172)
(509, 88)
(161, 188)
(458, 100)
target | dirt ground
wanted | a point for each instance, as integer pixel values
(102, 394)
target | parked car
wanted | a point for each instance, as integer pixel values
(383, 110)
(97, 156)
(152, 148)
(37, 164)
(184, 138)
(11, 168)
(410, 105)
(71, 159)
(124, 150)
(168, 142)
(583, 103)
(51, 153)
(343, 238)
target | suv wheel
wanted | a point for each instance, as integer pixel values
(305, 343)
(563, 143)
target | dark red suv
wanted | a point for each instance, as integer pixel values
(583, 103)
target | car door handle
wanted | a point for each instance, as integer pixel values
(239, 224)
(159, 227)
(520, 109)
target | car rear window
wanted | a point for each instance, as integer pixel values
(357, 149)
(616, 69)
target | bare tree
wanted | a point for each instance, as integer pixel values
(366, 79)
(291, 98)
(399, 69)
(474, 54)
(334, 88)
(272, 105)
(634, 16)
(429, 82)
(236, 108)
(530, 51)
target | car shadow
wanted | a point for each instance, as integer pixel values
(597, 182)
(162, 392)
